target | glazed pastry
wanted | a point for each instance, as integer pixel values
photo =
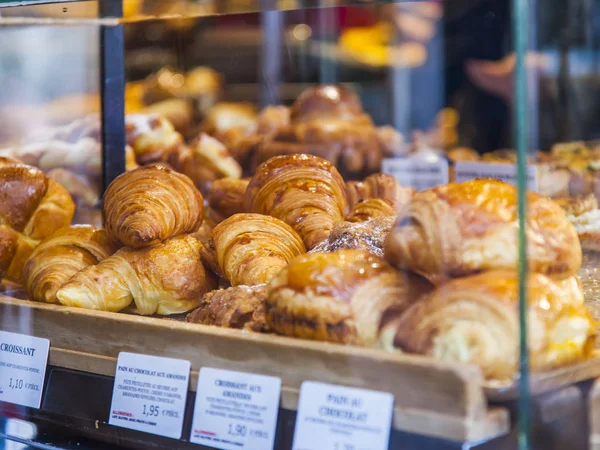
(32, 208)
(151, 204)
(204, 161)
(304, 191)
(226, 197)
(344, 297)
(370, 209)
(584, 214)
(475, 320)
(368, 236)
(240, 307)
(378, 185)
(252, 248)
(151, 137)
(58, 258)
(166, 278)
(463, 228)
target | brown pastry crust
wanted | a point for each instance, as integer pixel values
(167, 278)
(381, 186)
(151, 137)
(32, 208)
(226, 197)
(464, 228)
(240, 307)
(576, 206)
(304, 191)
(58, 258)
(151, 204)
(462, 154)
(370, 209)
(343, 297)
(476, 320)
(368, 236)
(252, 248)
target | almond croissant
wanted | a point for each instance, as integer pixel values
(304, 191)
(464, 228)
(343, 297)
(167, 278)
(252, 248)
(58, 258)
(150, 204)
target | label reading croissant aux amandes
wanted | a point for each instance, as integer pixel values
(149, 394)
(420, 174)
(334, 417)
(235, 410)
(22, 368)
(466, 171)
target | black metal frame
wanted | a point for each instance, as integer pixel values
(112, 92)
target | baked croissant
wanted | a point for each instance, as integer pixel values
(476, 320)
(304, 191)
(151, 137)
(204, 161)
(252, 248)
(241, 307)
(166, 278)
(378, 185)
(58, 258)
(344, 297)
(226, 197)
(32, 208)
(151, 204)
(370, 209)
(464, 228)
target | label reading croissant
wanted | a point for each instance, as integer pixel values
(341, 418)
(149, 394)
(22, 368)
(235, 410)
(419, 173)
(466, 171)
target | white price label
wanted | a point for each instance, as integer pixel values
(235, 410)
(420, 174)
(340, 418)
(466, 171)
(149, 394)
(22, 368)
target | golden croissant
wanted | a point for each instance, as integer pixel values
(370, 209)
(343, 297)
(226, 197)
(58, 258)
(476, 320)
(464, 228)
(381, 186)
(150, 204)
(252, 248)
(32, 208)
(151, 137)
(167, 278)
(304, 191)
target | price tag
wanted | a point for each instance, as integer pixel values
(22, 368)
(466, 171)
(341, 418)
(149, 394)
(420, 174)
(235, 410)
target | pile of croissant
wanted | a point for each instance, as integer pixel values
(297, 251)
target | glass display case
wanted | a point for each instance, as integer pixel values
(305, 225)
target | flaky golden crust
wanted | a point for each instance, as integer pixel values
(343, 297)
(304, 191)
(151, 137)
(464, 228)
(32, 208)
(58, 258)
(167, 278)
(378, 185)
(370, 209)
(252, 248)
(240, 307)
(226, 197)
(476, 320)
(150, 204)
